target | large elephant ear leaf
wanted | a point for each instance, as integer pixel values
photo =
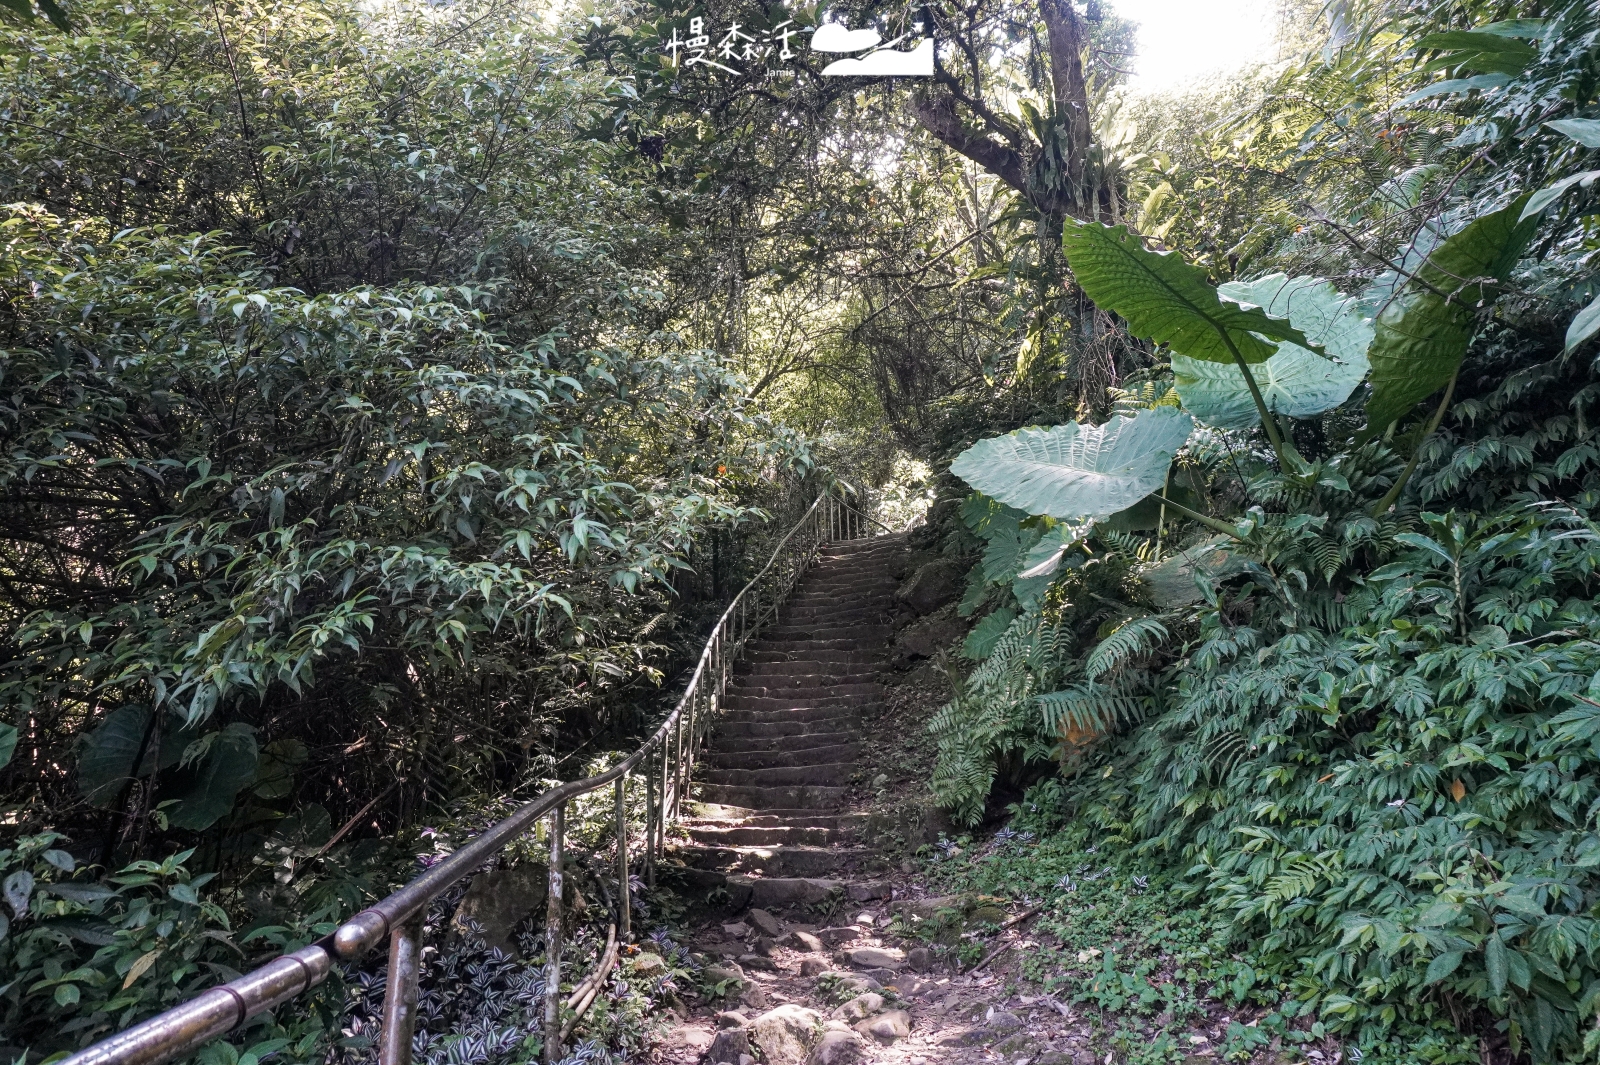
(1422, 334)
(229, 763)
(1164, 299)
(1077, 471)
(106, 761)
(1296, 381)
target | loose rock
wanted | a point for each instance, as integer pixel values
(838, 1048)
(859, 1008)
(729, 1046)
(768, 924)
(920, 959)
(736, 930)
(878, 958)
(785, 1034)
(497, 901)
(868, 890)
(887, 1029)
(718, 974)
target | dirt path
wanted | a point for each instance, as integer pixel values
(813, 792)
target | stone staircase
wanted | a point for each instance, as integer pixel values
(772, 788)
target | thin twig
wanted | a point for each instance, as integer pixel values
(348, 825)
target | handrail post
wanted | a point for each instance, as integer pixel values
(650, 819)
(400, 992)
(624, 924)
(552, 941)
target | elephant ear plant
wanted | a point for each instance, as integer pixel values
(1257, 353)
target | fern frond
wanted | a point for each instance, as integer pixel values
(1133, 638)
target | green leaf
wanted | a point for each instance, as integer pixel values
(1330, 321)
(1074, 471)
(1582, 328)
(1455, 85)
(1489, 52)
(1442, 966)
(227, 767)
(1043, 561)
(1295, 381)
(1008, 544)
(1494, 959)
(1548, 195)
(1164, 299)
(986, 633)
(1586, 131)
(108, 754)
(1423, 333)
(8, 744)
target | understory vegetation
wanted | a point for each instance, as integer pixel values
(391, 395)
(1334, 672)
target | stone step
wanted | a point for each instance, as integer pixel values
(715, 815)
(823, 692)
(797, 861)
(794, 796)
(845, 588)
(782, 714)
(801, 674)
(874, 648)
(826, 773)
(791, 729)
(819, 659)
(769, 703)
(726, 756)
(761, 743)
(826, 630)
(762, 835)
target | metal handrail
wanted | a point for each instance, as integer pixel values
(668, 757)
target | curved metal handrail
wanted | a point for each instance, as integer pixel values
(215, 1012)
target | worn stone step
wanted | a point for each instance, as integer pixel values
(827, 773)
(792, 727)
(799, 861)
(801, 674)
(828, 656)
(739, 835)
(781, 714)
(738, 706)
(827, 631)
(714, 815)
(793, 796)
(846, 589)
(729, 757)
(761, 742)
(804, 693)
(876, 648)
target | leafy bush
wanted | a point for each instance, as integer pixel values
(1362, 740)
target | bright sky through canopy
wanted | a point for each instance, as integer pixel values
(1185, 40)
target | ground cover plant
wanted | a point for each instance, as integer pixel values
(1337, 679)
